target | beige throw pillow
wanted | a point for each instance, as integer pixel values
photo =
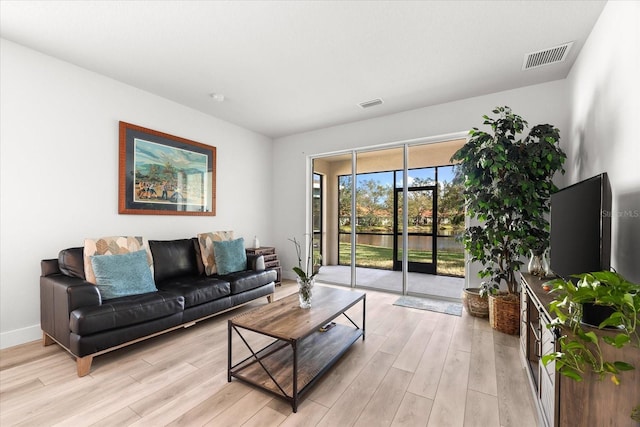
(113, 245)
(206, 248)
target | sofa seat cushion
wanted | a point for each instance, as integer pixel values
(197, 289)
(242, 281)
(124, 311)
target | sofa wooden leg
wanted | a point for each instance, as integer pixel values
(47, 340)
(84, 365)
(270, 298)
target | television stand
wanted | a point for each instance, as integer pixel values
(562, 401)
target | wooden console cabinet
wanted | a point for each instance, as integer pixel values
(271, 261)
(562, 401)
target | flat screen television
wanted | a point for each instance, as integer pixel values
(580, 234)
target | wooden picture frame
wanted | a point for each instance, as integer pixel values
(162, 174)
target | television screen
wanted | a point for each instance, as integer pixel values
(580, 236)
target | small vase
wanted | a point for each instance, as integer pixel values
(305, 292)
(546, 269)
(535, 264)
(256, 242)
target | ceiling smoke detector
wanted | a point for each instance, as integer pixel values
(369, 104)
(218, 97)
(544, 57)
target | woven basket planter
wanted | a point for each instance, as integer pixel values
(475, 305)
(504, 313)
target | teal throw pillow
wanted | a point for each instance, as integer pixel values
(230, 256)
(123, 274)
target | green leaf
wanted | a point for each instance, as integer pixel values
(300, 272)
(623, 366)
(610, 367)
(571, 373)
(573, 345)
(621, 340)
(608, 340)
(551, 357)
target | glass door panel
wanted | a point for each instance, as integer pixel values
(317, 219)
(433, 222)
(450, 259)
(332, 183)
(375, 217)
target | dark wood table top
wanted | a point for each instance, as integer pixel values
(284, 319)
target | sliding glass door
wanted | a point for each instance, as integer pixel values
(376, 229)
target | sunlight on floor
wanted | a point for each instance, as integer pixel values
(444, 287)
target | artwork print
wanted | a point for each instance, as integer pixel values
(164, 174)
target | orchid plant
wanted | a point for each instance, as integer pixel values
(303, 274)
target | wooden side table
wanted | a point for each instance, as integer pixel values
(271, 261)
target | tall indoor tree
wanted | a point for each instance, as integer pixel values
(508, 181)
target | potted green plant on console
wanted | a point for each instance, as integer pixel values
(507, 185)
(582, 350)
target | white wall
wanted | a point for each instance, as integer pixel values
(544, 103)
(59, 172)
(604, 90)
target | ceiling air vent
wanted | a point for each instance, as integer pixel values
(369, 104)
(546, 57)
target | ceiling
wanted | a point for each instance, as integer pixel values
(286, 67)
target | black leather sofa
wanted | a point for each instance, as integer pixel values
(73, 314)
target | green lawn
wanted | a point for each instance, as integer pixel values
(450, 263)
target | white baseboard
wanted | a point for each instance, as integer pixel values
(20, 336)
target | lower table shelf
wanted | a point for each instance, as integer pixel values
(316, 353)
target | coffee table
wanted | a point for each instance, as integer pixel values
(300, 353)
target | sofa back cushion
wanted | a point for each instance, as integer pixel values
(71, 262)
(174, 258)
(207, 251)
(113, 245)
(196, 247)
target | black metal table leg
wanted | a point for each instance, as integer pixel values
(364, 312)
(229, 351)
(294, 346)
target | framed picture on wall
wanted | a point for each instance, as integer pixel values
(162, 174)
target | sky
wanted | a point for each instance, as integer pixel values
(445, 174)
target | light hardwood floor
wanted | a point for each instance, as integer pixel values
(415, 368)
